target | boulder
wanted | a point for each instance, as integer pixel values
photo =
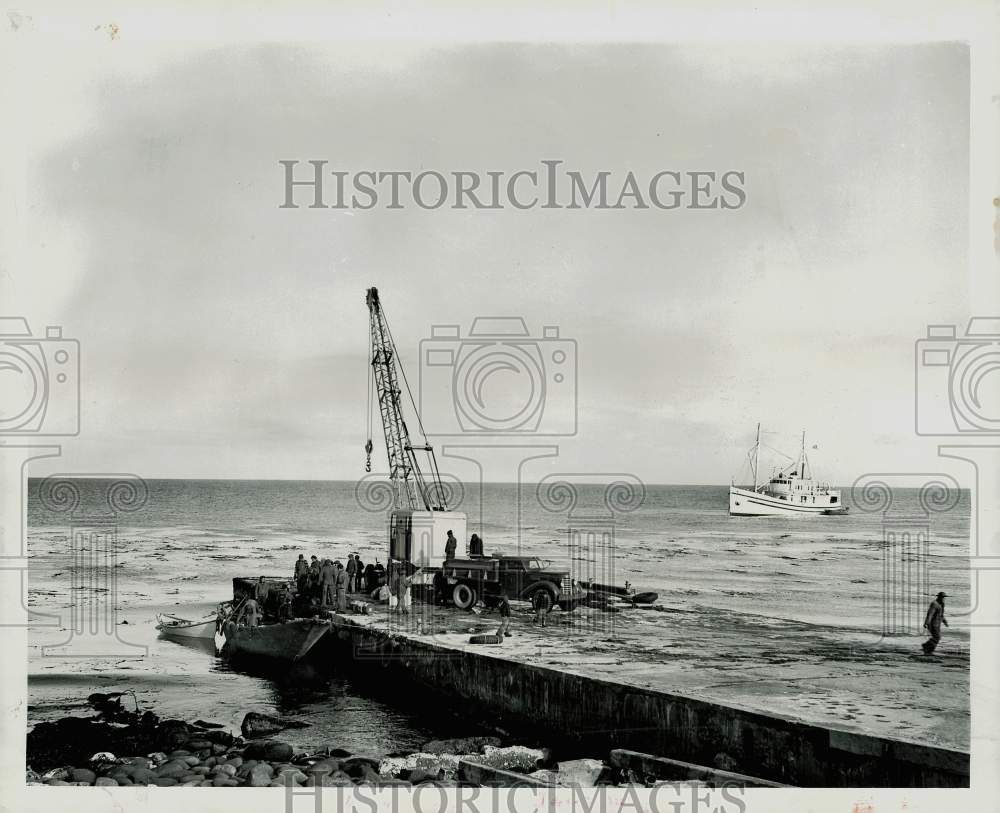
(340, 753)
(105, 781)
(460, 745)
(224, 770)
(260, 775)
(57, 774)
(180, 752)
(580, 773)
(218, 737)
(278, 751)
(236, 762)
(83, 775)
(415, 776)
(198, 744)
(165, 781)
(354, 763)
(262, 725)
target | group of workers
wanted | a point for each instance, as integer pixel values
(329, 580)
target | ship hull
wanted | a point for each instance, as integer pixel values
(746, 503)
(286, 641)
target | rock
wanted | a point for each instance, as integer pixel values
(394, 766)
(178, 753)
(224, 770)
(218, 737)
(340, 753)
(144, 762)
(210, 762)
(364, 774)
(142, 776)
(417, 775)
(262, 725)
(60, 774)
(206, 783)
(56, 782)
(324, 766)
(511, 758)
(460, 745)
(236, 762)
(164, 781)
(218, 748)
(580, 773)
(292, 777)
(173, 767)
(204, 724)
(198, 744)
(192, 783)
(83, 775)
(156, 758)
(105, 782)
(223, 781)
(278, 751)
(337, 779)
(260, 775)
(354, 762)
(546, 775)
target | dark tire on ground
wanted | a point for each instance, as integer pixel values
(542, 600)
(464, 596)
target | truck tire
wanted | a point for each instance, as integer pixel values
(542, 600)
(464, 596)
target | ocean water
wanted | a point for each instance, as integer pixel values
(182, 541)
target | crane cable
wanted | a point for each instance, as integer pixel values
(368, 413)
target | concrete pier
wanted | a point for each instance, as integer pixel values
(602, 691)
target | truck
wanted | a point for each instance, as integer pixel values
(464, 582)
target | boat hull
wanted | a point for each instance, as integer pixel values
(192, 629)
(746, 503)
(286, 641)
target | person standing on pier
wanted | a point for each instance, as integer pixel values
(450, 546)
(359, 574)
(328, 578)
(932, 623)
(504, 607)
(301, 573)
(342, 580)
(315, 579)
(475, 547)
(351, 568)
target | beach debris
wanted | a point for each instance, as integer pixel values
(262, 725)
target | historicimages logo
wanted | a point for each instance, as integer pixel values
(39, 400)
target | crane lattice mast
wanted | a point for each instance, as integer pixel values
(410, 489)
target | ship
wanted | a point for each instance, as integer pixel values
(790, 492)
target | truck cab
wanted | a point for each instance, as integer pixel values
(463, 582)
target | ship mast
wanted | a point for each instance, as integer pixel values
(802, 457)
(756, 455)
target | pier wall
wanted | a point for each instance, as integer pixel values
(601, 714)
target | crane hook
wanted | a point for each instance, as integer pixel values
(368, 455)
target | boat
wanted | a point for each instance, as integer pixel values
(790, 492)
(626, 593)
(284, 640)
(171, 626)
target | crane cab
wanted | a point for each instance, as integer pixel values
(419, 537)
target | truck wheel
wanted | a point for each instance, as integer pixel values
(464, 596)
(542, 600)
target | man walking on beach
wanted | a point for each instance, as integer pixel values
(932, 623)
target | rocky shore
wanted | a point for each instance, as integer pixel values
(121, 749)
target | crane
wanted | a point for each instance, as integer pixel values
(411, 489)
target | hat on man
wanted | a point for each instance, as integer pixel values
(942, 595)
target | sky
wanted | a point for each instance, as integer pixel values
(223, 336)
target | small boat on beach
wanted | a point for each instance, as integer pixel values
(626, 593)
(171, 626)
(791, 491)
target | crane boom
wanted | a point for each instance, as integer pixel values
(410, 488)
